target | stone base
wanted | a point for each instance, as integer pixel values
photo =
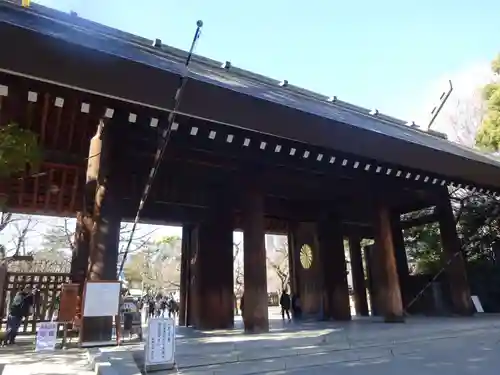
(96, 330)
(212, 327)
(394, 318)
(256, 330)
(342, 318)
(261, 326)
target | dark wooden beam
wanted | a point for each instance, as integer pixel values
(29, 115)
(57, 127)
(1, 110)
(71, 133)
(22, 184)
(35, 195)
(74, 192)
(45, 114)
(48, 188)
(62, 190)
(419, 221)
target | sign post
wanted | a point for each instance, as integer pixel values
(46, 337)
(68, 303)
(68, 306)
(477, 304)
(101, 299)
(160, 345)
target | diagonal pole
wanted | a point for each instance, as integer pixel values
(165, 139)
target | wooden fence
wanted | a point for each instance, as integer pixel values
(46, 289)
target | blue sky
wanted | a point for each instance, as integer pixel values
(383, 54)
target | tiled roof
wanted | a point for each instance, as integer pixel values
(170, 59)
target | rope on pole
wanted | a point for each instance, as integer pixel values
(164, 142)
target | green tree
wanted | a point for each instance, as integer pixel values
(136, 268)
(478, 227)
(488, 136)
(479, 230)
(18, 148)
(423, 246)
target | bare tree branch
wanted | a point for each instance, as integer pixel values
(466, 119)
(5, 219)
(238, 269)
(156, 265)
(278, 261)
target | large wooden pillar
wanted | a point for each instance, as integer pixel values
(104, 185)
(255, 312)
(185, 290)
(336, 289)
(401, 257)
(214, 266)
(80, 252)
(388, 293)
(358, 276)
(452, 254)
(308, 270)
(106, 214)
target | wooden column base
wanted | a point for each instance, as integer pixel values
(332, 254)
(214, 290)
(455, 271)
(388, 293)
(187, 231)
(255, 311)
(392, 318)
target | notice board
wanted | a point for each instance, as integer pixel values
(101, 298)
(160, 344)
(68, 303)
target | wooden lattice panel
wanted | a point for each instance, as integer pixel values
(48, 286)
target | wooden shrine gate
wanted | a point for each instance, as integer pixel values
(47, 286)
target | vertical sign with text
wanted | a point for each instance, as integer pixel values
(46, 336)
(160, 344)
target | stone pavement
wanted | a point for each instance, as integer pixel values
(477, 354)
(22, 360)
(311, 345)
(426, 345)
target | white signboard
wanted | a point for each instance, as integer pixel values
(101, 299)
(160, 344)
(477, 304)
(46, 337)
(129, 307)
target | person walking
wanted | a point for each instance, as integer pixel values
(285, 304)
(242, 305)
(151, 308)
(19, 309)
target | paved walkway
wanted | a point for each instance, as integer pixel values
(479, 354)
(318, 343)
(289, 347)
(425, 345)
(22, 360)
